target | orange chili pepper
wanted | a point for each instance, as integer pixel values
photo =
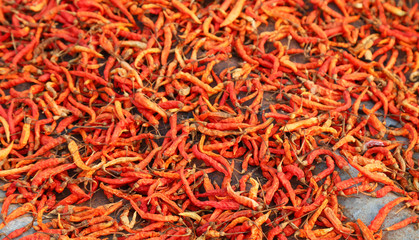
(403, 223)
(182, 8)
(382, 213)
(234, 13)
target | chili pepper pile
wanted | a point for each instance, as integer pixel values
(170, 108)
